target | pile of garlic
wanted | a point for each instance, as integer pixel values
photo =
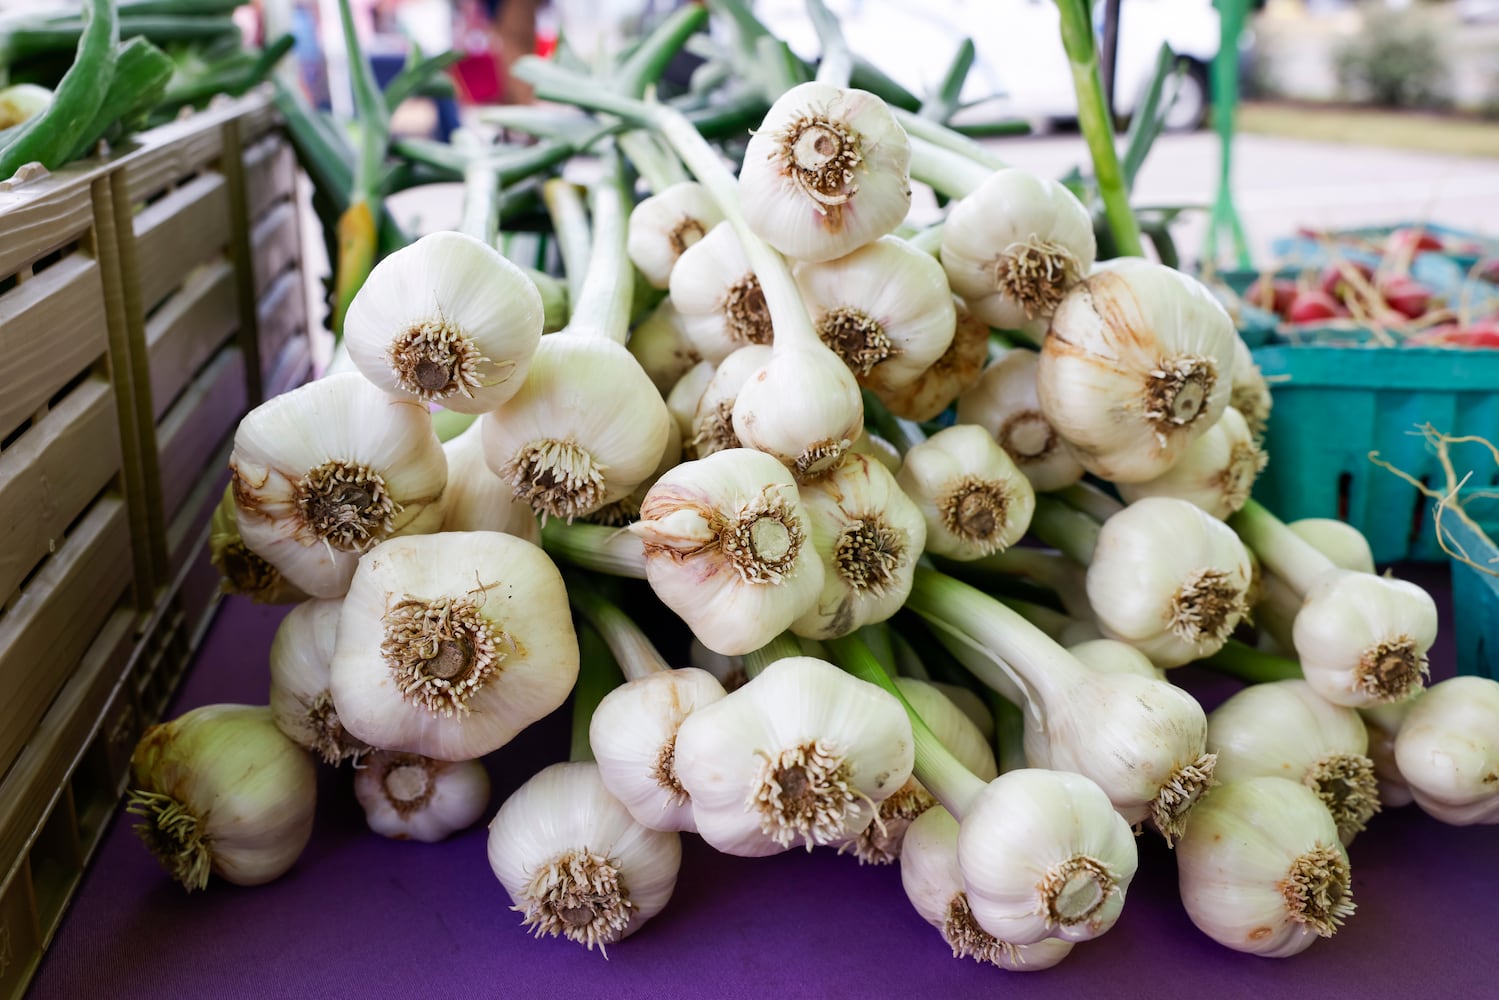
(754, 450)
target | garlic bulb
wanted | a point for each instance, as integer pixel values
(1003, 402)
(1044, 855)
(956, 370)
(933, 880)
(713, 424)
(1363, 639)
(1015, 245)
(661, 346)
(1169, 579)
(727, 670)
(885, 309)
(1216, 472)
(975, 501)
(664, 225)
(1284, 730)
(220, 790)
(445, 320)
(827, 171)
(328, 470)
(1448, 750)
(1279, 602)
(728, 547)
(1261, 868)
(243, 571)
(802, 753)
(1249, 393)
(868, 535)
(1382, 723)
(478, 500)
(560, 442)
(803, 407)
(301, 702)
(688, 391)
(718, 297)
(410, 797)
(450, 644)
(626, 509)
(877, 448)
(1138, 363)
(575, 863)
(1109, 656)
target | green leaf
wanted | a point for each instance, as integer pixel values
(1150, 116)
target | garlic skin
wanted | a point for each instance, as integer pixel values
(446, 320)
(688, 391)
(1004, 402)
(1283, 729)
(301, 702)
(1249, 393)
(1169, 579)
(718, 298)
(804, 408)
(1278, 604)
(575, 863)
(410, 797)
(243, 571)
(868, 535)
(1138, 362)
(713, 424)
(728, 547)
(661, 346)
(955, 371)
(1382, 723)
(1448, 750)
(664, 225)
(221, 790)
(626, 509)
(1044, 855)
(885, 309)
(971, 705)
(1261, 869)
(1015, 245)
(1109, 656)
(973, 498)
(827, 171)
(804, 724)
(478, 500)
(1363, 639)
(561, 442)
(1216, 472)
(448, 645)
(877, 448)
(328, 470)
(933, 880)
(633, 735)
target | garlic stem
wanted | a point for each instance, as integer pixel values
(569, 217)
(1090, 500)
(835, 63)
(658, 167)
(636, 655)
(907, 660)
(1287, 554)
(949, 781)
(1009, 732)
(1252, 666)
(1065, 528)
(779, 648)
(879, 638)
(598, 674)
(481, 201)
(601, 302)
(939, 135)
(944, 171)
(1055, 624)
(1052, 570)
(903, 434)
(595, 547)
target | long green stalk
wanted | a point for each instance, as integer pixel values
(782, 646)
(569, 217)
(1065, 528)
(657, 166)
(358, 233)
(595, 547)
(633, 650)
(49, 137)
(947, 172)
(1287, 554)
(597, 676)
(1252, 665)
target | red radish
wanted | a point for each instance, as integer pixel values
(1311, 306)
(1482, 333)
(1274, 294)
(1335, 283)
(1407, 297)
(1412, 240)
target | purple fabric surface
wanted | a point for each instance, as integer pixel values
(361, 916)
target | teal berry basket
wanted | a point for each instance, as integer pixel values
(1336, 401)
(1475, 588)
(1465, 251)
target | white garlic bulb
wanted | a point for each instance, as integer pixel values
(718, 298)
(664, 225)
(955, 371)
(1278, 603)
(560, 441)
(243, 571)
(661, 346)
(869, 535)
(827, 171)
(1138, 362)
(1003, 402)
(713, 424)
(1283, 729)
(803, 753)
(410, 797)
(301, 702)
(445, 320)
(220, 790)
(326, 471)
(626, 509)
(688, 391)
(877, 448)
(803, 407)
(1015, 245)
(1363, 639)
(1044, 855)
(885, 309)
(975, 501)
(478, 500)
(1448, 750)
(575, 863)
(1250, 394)
(1261, 868)
(1216, 472)
(1109, 656)
(728, 547)
(450, 644)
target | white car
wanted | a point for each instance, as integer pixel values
(1020, 69)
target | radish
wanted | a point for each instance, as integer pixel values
(1411, 240)
(1311, 306)
(1273, 294)
(1408, 297)
(1334, 281)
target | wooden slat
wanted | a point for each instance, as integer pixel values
(270, 175)
(282, 315)
(51, 328)
(173, 154)
(292, 368)
(277, 247)
(257, 116)
(18, 925)
(39, 217)
(187, 228)
(190, 526)
(187, 330)
(46, 632)
(197, 425)
(51, 474)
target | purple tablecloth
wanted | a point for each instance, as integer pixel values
(361, 916)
